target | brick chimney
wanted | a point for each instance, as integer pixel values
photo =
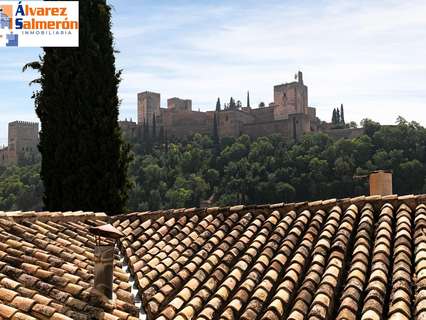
(105, 235)
(381, 183)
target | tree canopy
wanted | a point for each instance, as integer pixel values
(269, 169)
(265, 170)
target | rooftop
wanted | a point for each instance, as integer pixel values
(358, 258)
(46, 269)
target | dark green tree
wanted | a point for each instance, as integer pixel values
(342, 114)
(370, 127)
(166, 142)
(338, 119)
(232, 104)
(154, 128)
(84, 160)
(215, 130)
(218, 104)
(334, 117)
(145, 130)
(161, 135)
(248, 99)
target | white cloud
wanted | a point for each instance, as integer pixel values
(369, 55)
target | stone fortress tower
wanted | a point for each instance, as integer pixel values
(179, 104)
(148, 105)
(290, 98)
(23, 140)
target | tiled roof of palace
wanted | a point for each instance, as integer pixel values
(46, 269)
(359, 258)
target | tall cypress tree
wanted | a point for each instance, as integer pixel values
(161, 135)
(342, 114)
(216, 140)
(334, 117)
(218, 104)
(84, 159)
(248, 99)
(154, 128)
(232, 104)
(215, 130)
(338, 120)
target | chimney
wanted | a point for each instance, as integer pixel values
(381, 183)
(105, 235)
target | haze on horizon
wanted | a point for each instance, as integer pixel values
(367, 55)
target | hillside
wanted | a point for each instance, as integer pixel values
(184, 173)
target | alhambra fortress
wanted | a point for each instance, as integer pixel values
(288, 115)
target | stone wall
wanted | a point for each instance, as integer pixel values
(312, 112)
(263, 114)
(292, 128)
(7, 157)
(130, 129)
(231, 122)
(181, 124)
(254, 130)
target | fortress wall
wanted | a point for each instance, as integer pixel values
(254, 130)
(181, 124)
(312, 112)
(263, 114)
(130, 129)
(300, 124)
(193, 118)
(184, 131)
(230, 122)
(5, 157)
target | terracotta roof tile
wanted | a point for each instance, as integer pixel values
(46, 269)
(331, 259)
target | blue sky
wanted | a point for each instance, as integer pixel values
(369, 55)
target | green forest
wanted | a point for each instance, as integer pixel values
(175, 174)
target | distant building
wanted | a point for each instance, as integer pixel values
(22, 146)
(179, 104)
(288, 115)
(130, 129)
(148, 105)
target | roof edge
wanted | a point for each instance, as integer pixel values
(376, 200)
(53, 216)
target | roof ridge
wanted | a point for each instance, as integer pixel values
(411, 200)
(53, 216)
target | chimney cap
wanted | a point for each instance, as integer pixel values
(381, 171)
(106, 231)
